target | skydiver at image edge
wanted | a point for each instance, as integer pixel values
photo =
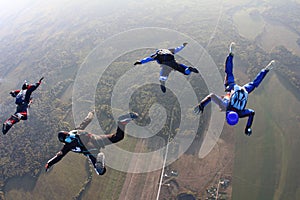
(23, 100)
(236, 97)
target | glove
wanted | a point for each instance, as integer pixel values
(184, 44)
(248, 131)
(47, 167)
(137, 63)
(41, 79)
(199, 108)
(13, 94)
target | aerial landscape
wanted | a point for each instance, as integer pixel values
(86, 50)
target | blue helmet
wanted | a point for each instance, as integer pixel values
(232, 118)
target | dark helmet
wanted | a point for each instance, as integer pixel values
(62, 136)
(25, 85)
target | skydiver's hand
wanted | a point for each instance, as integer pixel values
(248, 131)
(12, 93)
(184, 44)
(41, 79)
(137, 63)
(47, 167)
(199, 108)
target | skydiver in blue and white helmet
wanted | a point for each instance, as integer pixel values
(165, 57)
(236, 97)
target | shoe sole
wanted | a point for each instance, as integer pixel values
(128, 117)
(100, 163)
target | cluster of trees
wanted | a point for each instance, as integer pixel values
(30, 144)
(27, 146)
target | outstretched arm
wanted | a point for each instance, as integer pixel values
(145, 60)
(87, 120)
(177, 49)
(218, 100)
(14, 93)
(30, 89)
(58, 156)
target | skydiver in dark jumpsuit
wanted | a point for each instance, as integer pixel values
(80, 141)
(23, 100)
(165, 57)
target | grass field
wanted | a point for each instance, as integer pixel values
(267, 34)
(266, 163)
(52, 185)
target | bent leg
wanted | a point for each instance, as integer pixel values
(87, 120)
(256, 82)
(119, 135)
(13, 119)
(184, 69)
(100, 170)
(103, 140)
(9, 123)
(164, 72)
(22, 111)
(178, 67)
(22, 115)
(247, 113)
(229, 77)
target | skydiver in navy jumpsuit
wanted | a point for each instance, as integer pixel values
(165, 57)
(236, 97)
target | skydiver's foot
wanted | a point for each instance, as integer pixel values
(100, 164)
(248, 131)
(4, 129)
(125, 119)
(193, 69)
(162, 86)
(6, 126)
(270, 65)
(231, 48)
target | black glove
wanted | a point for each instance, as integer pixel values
(41, 79)
(199, 108)
(248, 131)
(184, 44)
(137, 63)
(13, 94)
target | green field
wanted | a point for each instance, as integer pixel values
(266, 164)
(52, 185)
(52, 39)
